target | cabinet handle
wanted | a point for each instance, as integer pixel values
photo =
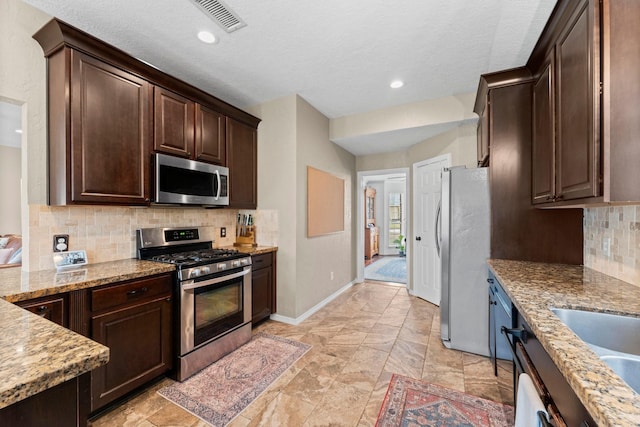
(550, 198)
(168, 299)
(489, 280)
(137, 291)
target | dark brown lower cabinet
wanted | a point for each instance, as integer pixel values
(138, 334)
(263, 286)
(65, 405)
(53, 308)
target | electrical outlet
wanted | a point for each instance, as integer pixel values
(223, 232)
(60, 242)
(606, 246)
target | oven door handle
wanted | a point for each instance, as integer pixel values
(191, 284)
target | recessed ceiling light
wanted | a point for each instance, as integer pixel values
(397, 84)
(207, 37)
(18, 130)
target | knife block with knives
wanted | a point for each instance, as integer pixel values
(245, 231)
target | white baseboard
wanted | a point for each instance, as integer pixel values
(297, 320)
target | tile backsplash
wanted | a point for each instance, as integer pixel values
(108, 233)
(619, 226)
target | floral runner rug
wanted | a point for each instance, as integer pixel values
(221, 391)
(411, 402)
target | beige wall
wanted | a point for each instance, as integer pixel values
(292, 136)
(277, 188)
(460, 142)
(23, 80)
(451, 109)
(319, 257)
(10, 197)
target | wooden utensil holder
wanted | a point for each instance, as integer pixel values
(248, 239)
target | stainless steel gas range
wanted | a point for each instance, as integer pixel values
(213, 289)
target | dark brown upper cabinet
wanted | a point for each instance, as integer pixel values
(173, 123)
(98, 132)
(544, 142)
(109, 111)
(585, 67)
(211, 143)
(186, 129)
(483, 137)
(519, 230)
(243, 165)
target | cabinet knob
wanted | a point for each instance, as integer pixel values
(489, 280)
(42, 308)
(418, 238)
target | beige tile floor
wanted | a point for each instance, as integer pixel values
(370, 331)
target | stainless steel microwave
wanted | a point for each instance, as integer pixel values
(188, 182)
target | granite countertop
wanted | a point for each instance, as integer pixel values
(536, 287)
(254, 250)
(36, 354)
(17, 285)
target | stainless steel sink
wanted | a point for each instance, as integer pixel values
(627, 368)
(608, 331)
(615, 338)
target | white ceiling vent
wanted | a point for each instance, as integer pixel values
(221, 13)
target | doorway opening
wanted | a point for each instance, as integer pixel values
(383, 207)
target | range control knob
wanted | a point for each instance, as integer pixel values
(206, 270)
(244, 261)
(236, 263)
(195, 272)
(222, 266)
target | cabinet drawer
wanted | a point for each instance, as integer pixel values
(261, 261)
(130, 292)
(51, 308)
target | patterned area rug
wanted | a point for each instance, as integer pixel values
(411, 402)
(221, 391)
(388, 269)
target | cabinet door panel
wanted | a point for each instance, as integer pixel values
(543, 136)
(139, 341)
(577, 143)
(173, 123)
(210, 136)
(109, 134)
(483, 137)
(242, 161)
(262, 293)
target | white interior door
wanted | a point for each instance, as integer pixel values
(426, 195)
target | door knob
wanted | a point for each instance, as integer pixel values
(418, 238)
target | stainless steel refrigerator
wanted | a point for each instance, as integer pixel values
(463, 240)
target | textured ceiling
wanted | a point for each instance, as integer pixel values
(340, 56)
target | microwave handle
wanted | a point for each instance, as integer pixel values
(219, 184)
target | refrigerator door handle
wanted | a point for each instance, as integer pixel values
(436, 231)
